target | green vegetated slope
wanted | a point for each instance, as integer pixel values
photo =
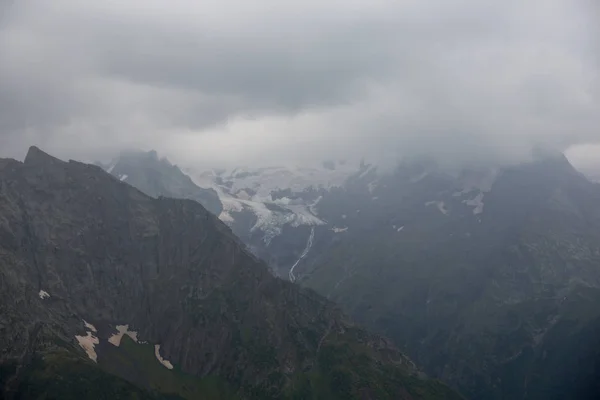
(82, 253)
(503, 304)
(61, 374)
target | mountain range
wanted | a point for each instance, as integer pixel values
(487, 277)
(109, 293)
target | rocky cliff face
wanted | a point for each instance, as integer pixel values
(108, 293)
(490, 279)
(158, 177)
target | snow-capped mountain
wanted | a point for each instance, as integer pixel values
(450, 263)
(274, 210)
(278, 196)
(424, 253)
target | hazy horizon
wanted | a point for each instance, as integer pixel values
(227, 83)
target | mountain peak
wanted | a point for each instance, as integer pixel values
(554, 162)
(35, 156)
(157, 177)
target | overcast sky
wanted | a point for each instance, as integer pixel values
(217, 82)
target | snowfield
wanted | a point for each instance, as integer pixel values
(272, 194)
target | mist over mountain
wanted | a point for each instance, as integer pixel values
(487, 276)
(462, 81)
(159, 178)
(253, 177)
(490, 279)
(109, 293)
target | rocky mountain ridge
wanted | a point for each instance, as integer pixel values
(158, 177)
(115, 294)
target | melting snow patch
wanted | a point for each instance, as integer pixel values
(269, 220)
(123, 177)
(43, 294)
(89, 326)
(477, 202)
(440, 206)
(226, 217)
(164, 362)
(339, 230)
(88, 342)
(242, 194)
(122, 330)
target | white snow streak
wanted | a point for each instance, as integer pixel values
(309, 244)
(43, 294)
(164, 362)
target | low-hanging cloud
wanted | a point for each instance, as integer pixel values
(229, 81)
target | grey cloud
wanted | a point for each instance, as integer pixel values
(233, 82)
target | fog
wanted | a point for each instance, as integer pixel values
(230, 82)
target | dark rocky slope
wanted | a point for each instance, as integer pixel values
(502, 299)
(83, 256)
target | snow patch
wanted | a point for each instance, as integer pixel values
(123, 177)
(242, 194)
(164, 362)
(264, 181)
(89, 326)
(226, 217)
(440, 206)
(43, 294)
(272, 222)
(115, 339)
(339, 230)
(400, 229)
(268, 220)
(477, 202)
(89, 341)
